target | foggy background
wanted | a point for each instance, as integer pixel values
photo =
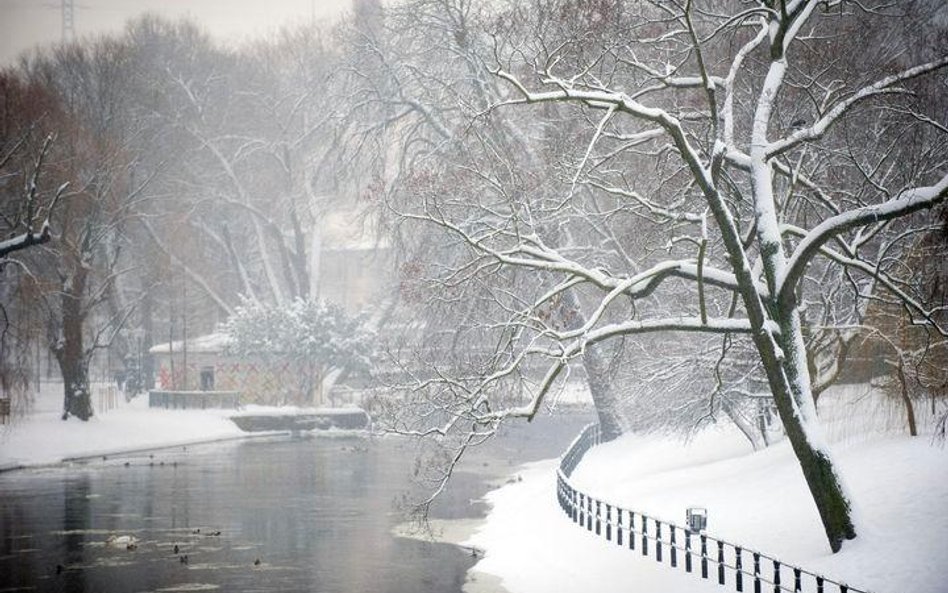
(25, 24)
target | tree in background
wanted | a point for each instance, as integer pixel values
(310, 337)
(27, 206)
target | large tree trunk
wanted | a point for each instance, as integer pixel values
(70, 353)
(604, 398)
(596, 365)
(790, 383)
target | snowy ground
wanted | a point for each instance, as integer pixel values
(900, 486)
(41, 437)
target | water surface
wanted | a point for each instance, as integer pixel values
(277, 514)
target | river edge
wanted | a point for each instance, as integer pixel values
(119, 452)
(456, 532)
(494, 476)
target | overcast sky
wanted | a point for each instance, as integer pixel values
(26, 23)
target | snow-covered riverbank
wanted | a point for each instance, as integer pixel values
(42, 437)
(899, 484)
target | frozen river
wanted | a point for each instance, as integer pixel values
(277, 514)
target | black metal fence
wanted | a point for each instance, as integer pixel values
(732, 565)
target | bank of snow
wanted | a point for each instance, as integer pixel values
(758, 500)
(41, 437)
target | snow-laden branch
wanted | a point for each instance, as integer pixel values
(873, 270)
(530, 252)
(24, 240)
(909, 201)
(632, 327)
(820, 126)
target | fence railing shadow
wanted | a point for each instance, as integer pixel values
(731, 564)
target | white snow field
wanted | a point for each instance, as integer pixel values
(756, 499)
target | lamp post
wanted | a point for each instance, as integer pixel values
(696, 518)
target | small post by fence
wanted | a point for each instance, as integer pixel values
(674, 548)
(797, 585)
(776, 576)
(720, 563)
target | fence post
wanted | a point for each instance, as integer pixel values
(631, 530)
(608, 522)
(575, 497)
(687, 551)
(658, 541)
(756, 572)
(704, 556)
(843, 588)
(589, 513)
(776, 576)
(644, 535)
(598, 518)
(819, 584)
(582, 507)
(797, 585)
(618, 526)
(674, 549)
(739, 570)
(720, 562)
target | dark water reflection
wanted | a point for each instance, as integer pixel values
(280, 514)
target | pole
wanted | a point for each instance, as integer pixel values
(69, 20)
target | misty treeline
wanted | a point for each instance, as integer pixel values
(704, 210)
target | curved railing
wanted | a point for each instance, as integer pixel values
(748, 570)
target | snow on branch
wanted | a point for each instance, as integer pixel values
(820, 127)
(909, 201)
(577, 346)
(24, 240)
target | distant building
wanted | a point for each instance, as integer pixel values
(350, 265)
(201, 364)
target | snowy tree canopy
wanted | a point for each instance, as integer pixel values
(302, 330)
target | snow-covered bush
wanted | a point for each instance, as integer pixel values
(314, 336)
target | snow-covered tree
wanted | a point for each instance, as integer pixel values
(315, 337)
(73, 277)
(739, 137)
(418, 74)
